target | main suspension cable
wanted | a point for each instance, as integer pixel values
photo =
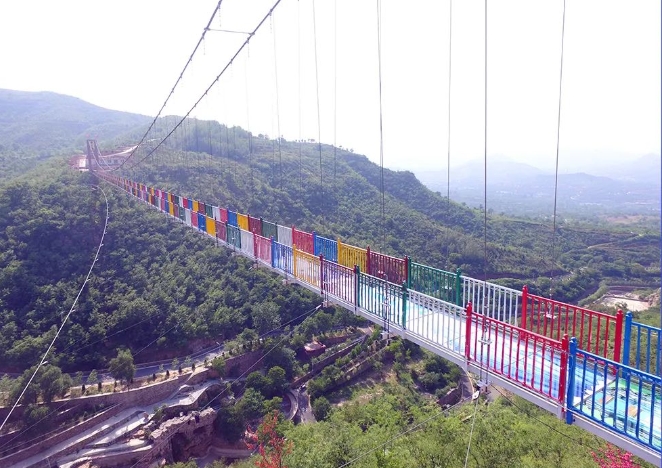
(218, 77)
(250, 135)
(450, 61)
(172, 91)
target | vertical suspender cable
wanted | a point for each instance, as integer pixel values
(473, 422)
(381, 131)
(556, 173)
(280, 156)
(211, 149)
(317, 86)
(220, 134)
(448, 158)
(485, 166)
(299, 96)
(248, 129)
(335, 89)
(450, 52)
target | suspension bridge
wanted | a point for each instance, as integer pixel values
(599, 371)
(595, 370)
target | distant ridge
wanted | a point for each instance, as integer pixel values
(47, 121)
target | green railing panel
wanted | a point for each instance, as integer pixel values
(234, 236)
(269, 230)
(433, 282)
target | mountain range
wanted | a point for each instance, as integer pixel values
(515, 188)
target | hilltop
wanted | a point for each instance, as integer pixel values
(35, 126)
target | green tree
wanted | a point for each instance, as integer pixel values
(52, 382)
(276, 381)
(174, 364)
(93, 377)
(324, 322)
(273, 404)
(218, 364)
(258, 382)
(36, 418)
(122, 367)
(248, 335)
(251, 404)
(282, 357)
(321, 408)
(230, 422)
(31, 394)
(266, 316)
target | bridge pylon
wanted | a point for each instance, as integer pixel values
(92, 153)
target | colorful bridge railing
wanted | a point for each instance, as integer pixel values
(642, 346)
(436, 321)
(389, 268)
(263, 249)
(626, 400)
(303, 240)
(491, 300)
(351, 256)
(534, 361)
(326, 247)
(338, 281)
(306, 267)
(433, 282)
(283, 258)
(609, 373)
(269, 230)
(596, 332)
(380, 298)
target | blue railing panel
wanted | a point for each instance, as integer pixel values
(326, 247)
(232, 218)
(642, 346)
(621, 398)
(202, 222)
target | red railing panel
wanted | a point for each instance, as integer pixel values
(303, 240)
(221, 232)
(596, 332)
(391, 269)
(255, 225)
(534, 361)
(224, 214)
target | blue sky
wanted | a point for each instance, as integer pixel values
(126, 55)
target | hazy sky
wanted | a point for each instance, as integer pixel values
(127, 54)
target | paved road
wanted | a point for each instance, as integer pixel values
(305, 410)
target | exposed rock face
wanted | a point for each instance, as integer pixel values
(181, 438)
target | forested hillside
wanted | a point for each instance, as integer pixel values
(177, 283)
(156, 281)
